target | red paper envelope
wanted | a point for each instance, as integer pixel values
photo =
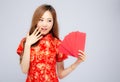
(73, 42)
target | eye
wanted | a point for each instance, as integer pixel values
(41, 19)
(49, 20)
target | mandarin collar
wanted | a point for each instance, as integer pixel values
(48, 36)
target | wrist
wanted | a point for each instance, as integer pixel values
(27, 44)
(72, 67)
(78, 61)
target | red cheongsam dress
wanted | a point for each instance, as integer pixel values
(43, 58)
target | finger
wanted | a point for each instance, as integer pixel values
(81, 52)
(79, 55)
(34, 32)
(39, 38)
(82, 58)
(37, 33)
(27, 34)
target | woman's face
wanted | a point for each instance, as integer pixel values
(45, 23)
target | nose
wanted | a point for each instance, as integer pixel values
(44, 23)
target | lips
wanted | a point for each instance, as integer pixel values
(43, 29)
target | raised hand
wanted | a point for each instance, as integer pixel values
(81, 56)
(34, 37)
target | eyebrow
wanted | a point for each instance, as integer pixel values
(47, 18)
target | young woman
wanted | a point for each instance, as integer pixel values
(38, 51)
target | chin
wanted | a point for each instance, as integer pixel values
(44, 34)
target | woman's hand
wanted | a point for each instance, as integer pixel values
(30, 39)
(34, 37)
(81, 56)
(62, 72)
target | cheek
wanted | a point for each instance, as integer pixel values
(38, 24)
(50, 26)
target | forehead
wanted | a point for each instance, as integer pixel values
(47, 14)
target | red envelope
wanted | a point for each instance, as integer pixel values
(73, 42)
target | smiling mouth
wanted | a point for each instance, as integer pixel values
(43, 29)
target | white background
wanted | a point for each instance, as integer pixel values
(100, 19)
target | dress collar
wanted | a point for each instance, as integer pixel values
(48, 37)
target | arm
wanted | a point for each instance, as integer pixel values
(30, 39)
(25, 59)
(63, 72)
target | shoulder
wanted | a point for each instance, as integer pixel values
(22, 41)
(57, 41)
